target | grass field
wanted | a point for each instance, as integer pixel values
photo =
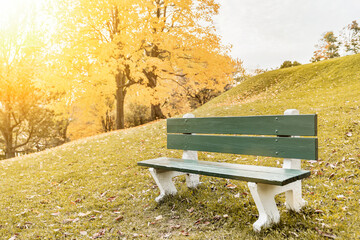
(92, 188)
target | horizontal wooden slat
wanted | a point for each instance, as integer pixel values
(284, 147)
(295, 125)
(250, 173)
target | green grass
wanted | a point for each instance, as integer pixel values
(93, 188)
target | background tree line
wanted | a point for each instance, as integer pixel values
(331, 45)
(97, 66)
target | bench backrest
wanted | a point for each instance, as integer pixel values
(270, 136)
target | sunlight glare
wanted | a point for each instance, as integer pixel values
(10, 10)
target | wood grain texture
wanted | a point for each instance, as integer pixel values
(284, 147)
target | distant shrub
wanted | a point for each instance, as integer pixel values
(287, 64)
(136, 114)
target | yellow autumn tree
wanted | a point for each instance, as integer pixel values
(104, 47)
(182, 47)
(153, 43)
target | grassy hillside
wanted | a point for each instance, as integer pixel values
(93, 188)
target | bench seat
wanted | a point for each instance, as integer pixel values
(249, 173)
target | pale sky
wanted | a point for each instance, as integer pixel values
(265, 33)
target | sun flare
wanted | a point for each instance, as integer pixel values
(12, 11)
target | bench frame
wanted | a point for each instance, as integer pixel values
(263, 194)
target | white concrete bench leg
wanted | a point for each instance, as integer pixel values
(294, 200)
(164, 181)
(192, 180)
(264, 197)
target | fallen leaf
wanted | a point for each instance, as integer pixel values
(103, 194)
(84, 233)
(110, 199)
(231, 186)
(325, 234)
(99, 234)
(119, 218)
(68, 220)
(176, 226)
(184, 233)
(190, 210)
(217, 217)
(198, 221)
(225, 216)
(167, 235)
(84, 214)
(158, 217)
(340, 196)
(55, 214)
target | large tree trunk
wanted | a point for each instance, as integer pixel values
(9, 153)
(120, 100)
(9, 149)
(8, 137)
(64, 131)
(156, 112)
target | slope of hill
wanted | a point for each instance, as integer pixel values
(92, 187)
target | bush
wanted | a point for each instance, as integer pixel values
(287, 64)
(136, 114)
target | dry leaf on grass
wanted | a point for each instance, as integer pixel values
(175, 226)
(84, 214)
(231, 186)
(190, 210)
(99, 234)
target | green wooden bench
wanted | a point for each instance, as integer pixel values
(273, 136)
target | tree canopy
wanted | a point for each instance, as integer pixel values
(157, 44)
(327, 48)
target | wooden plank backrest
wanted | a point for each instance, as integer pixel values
(280, 126)
(295, 125)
